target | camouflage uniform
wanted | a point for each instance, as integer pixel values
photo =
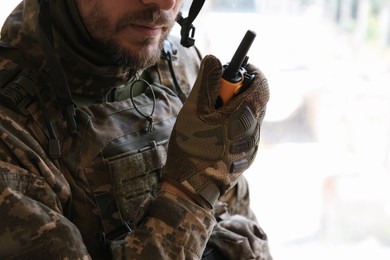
(66, 195)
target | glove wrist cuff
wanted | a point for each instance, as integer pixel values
(210, 193)
(205, 197)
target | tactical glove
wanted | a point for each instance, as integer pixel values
(210, 148)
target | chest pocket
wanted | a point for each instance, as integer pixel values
(122, 155)
(136, 177)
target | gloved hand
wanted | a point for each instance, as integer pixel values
(210, 148)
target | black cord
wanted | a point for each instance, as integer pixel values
(148, 117)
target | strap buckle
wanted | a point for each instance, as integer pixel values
(117, 234)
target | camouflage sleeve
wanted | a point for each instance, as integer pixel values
(238, 235)
(29, 229)
(171, 228)
(32, 226)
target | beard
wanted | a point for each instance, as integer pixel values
(132, 60)
(102, 32)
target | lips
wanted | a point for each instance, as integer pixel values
(150, 28)
(147, 30)
(147, 22)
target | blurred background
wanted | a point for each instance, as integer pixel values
(320, 183)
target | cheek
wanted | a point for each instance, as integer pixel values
(97, 23)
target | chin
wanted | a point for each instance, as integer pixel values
(137, 57)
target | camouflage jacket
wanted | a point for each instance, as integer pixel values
(92, 190)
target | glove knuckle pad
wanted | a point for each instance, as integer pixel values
(243, 145)
(242, 124)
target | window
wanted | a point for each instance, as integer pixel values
(320, 182)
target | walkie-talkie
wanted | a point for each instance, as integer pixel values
(235, 78)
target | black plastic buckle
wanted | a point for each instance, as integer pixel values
(117, 234)
(187, 31)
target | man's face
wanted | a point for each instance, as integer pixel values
(131, 32)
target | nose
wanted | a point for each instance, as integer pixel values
(162, 4)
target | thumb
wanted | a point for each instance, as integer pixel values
(205, 90)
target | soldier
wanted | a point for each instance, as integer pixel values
(91, 93)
